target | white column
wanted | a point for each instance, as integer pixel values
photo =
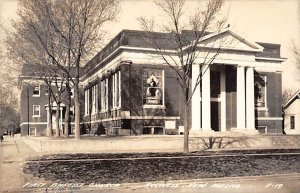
(240, 113)
(206, 115)
(48, 129)
(196, 104)
(250, 98)
(223, 99)
(61, 118)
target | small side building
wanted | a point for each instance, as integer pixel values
(292, 115)
(34, 104)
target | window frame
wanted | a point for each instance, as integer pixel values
(265, 106)
(36, 88)
(86, 102)
(94, 109)
(30, 129)
(116, 90)
(292, 122)
(104, 95)
(33, 111)
(162, 105)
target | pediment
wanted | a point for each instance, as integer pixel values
(227, 39)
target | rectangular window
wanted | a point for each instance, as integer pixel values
(104, 95)
(153, 87)
(36, 91)
(292, 122)
(36, 110)
(32, 131)
(116, 87)
(86, 102)
(260, 91)
(95, 99)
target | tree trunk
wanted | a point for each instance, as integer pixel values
(186, 122)
(67, 113)
(57, 120)
(77, 109)
(186, 129)
(50, 126)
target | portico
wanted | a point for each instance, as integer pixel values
(224, 98)
(212, 100)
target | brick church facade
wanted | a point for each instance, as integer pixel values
(128, 90)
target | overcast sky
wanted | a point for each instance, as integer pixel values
(273, 21)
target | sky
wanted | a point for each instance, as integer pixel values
(272, 21)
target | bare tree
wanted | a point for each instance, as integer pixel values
(286, 95)
(202, 20)
(296, 52)
(62, 35)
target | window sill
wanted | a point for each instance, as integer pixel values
(35, 95)
(154, 107)
(262, 108)
(36, 116)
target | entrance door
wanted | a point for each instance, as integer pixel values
(215, 116)
(215, 92)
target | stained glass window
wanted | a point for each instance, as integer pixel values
(152, 87)
(260, 82)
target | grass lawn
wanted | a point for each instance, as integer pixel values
(124, 168)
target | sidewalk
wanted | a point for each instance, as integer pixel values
(13, 151)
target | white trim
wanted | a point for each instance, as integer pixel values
(134, 117)
(116, 88)
(38, 123)
(297, 94)
(269, 118)
(223, 99)
(241, 98)
(104, 95)
(258, 47)
(262, 108)
(154, 107)
(86, 102)
(33, 123)
(271, 59)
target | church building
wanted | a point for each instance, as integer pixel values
(127, 89)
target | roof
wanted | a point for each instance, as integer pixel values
(167, 41)
(39, 71)
(292, 99)
(137, 38)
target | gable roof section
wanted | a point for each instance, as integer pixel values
(292, 99)
(227, 39)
